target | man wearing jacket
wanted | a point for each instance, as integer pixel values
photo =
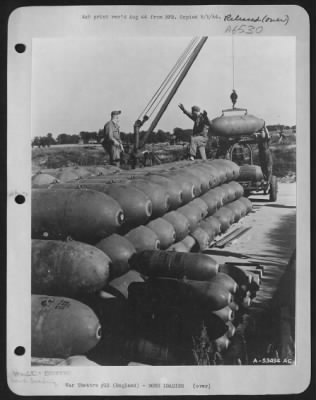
(111, 142)
(199, 136)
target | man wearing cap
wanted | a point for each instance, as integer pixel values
(199, 136)
(112, 140)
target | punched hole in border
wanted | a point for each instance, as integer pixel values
(19, 351)
(20, 48)
(19, 199)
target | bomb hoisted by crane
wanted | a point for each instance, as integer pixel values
(232, 126)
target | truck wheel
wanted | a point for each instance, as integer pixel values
(273, 188)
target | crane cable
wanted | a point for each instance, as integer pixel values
(175, 70)
(233, 62)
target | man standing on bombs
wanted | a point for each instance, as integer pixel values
(199, 136)
(112, 142)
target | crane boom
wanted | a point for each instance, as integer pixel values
(172, 92)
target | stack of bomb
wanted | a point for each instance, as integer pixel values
(184, 207)
(64, 273)
(46, 177)
(181, 294)
(182, 212)
(149, 315)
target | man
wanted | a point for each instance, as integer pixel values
(265, 155)
(199, 136)
(111, 142)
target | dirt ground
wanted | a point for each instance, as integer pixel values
(271, 241)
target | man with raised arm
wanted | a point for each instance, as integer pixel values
(199, 137)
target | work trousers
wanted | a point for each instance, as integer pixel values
(114, 153)
(198, 142)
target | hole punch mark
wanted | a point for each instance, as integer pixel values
(20, 48)
(19, 351)
(19, 199)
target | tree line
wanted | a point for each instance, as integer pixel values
(85, 137)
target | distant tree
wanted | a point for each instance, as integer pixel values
(50, 139)
(182, 135)
(75, 139)
(36, 141)
(86, 136)
(162, 136)
(64, 138)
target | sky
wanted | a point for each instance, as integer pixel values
(76, 83)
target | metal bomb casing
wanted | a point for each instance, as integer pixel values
(193, 213)
(62, 327)
(185, 175)
(41, 179)
(159, 197)
(143, 238)
(161, 294)
(136, 205)
(67, 268)
(180, 224)
(236, 125)
(236, 208)
(164, 230)
(210, 173)
(213, 201)
(247, 203)
(199, 202)
(223, 165)
(231, 192)
(226, 218)
(187, 187)
(201, 238)
(173, 189)
(174, 265)
(83, 215)
(120, 250)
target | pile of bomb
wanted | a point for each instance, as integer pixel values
(118, 270)
(48, 176)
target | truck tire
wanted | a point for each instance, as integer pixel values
(273, 188)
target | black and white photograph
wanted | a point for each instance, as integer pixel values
(160, 182)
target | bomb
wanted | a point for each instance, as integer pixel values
(192, 213)
(136, 204)
(84, 215)
(225, 280)
(62, 327)
(159, 197)
(180, 224)
(164, 231)
(39, 180)
(212, 200)
(143, 238)
(120, 250)
(225, 217)
(188, 189)
(201, 237)
(173, 189)
(67, 268)
(236, 125)
(201, 204)
(174, 265)
(161, 294)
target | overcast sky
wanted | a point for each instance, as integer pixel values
(76, 83)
